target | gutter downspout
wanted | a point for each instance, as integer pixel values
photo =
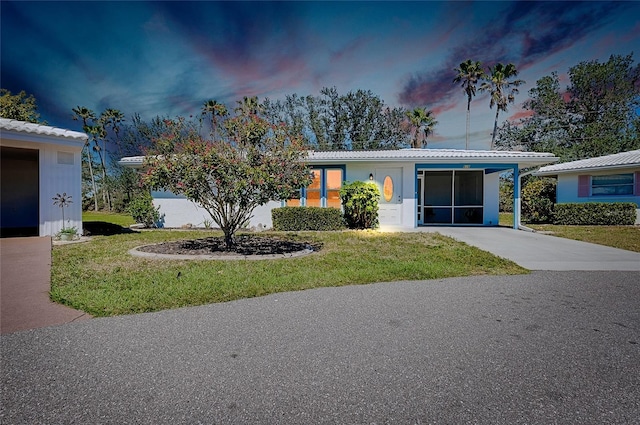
(517, 208)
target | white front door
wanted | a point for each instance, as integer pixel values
(389, 182)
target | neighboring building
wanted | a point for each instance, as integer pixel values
(37, 162)
(419, 187)
(610, 178)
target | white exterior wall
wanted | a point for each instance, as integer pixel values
(567, 189)
(60, 178)
(359, 171)
(176, 212)
(56, 178)
(491, 199)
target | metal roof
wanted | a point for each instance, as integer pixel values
(429, 154)
(618, 160)
(413, 155)
(18, 129)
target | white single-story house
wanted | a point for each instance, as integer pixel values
(37, 162)
(418, 187)
(609, 178)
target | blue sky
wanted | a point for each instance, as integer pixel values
(166, 58)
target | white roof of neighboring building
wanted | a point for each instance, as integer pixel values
(618, 160)
(26, 131)
(414, 155)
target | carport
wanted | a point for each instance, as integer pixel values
(38, 162)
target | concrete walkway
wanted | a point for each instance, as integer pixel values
(536, 251)
(25, 282)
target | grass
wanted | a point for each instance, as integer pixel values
(101, 278)
(623, 237)
(124, 220)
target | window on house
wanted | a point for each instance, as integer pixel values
(324, 190)
(612, 184)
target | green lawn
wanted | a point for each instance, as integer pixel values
(124, 220)
(623, 237)
(101, 278)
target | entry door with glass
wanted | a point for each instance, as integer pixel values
(450, 197)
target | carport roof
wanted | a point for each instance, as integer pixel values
(444, 156)
(21, 130)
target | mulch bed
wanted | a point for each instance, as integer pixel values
(245, 245)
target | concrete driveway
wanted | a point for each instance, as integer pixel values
(536, 251)
(25, 282)
(543, 348)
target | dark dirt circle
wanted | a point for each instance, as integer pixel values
(246, 245)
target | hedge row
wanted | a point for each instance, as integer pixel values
(595, 213)
(306, 218)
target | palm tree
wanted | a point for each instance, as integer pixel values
(86, 114)
(111, 117)
(421, 119)
(248, 106)
(469, 73)
(216, 110)
(502, 90)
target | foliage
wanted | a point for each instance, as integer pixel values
(142, 210)
(19, 107)
(469, 73)
(357, 120)
(69, 231)
(422, 122)
(252, 163)
(502, 88)
(102, 131)
(538, 197)
(360, 204)
(506, 195)
(595, 213)
(597, 114)
(306, 218)
(101, 278)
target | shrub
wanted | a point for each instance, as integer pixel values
(506, 195)
(306, 218)
(595, 213)
(360, 204)
(538, 197)
(142, 210)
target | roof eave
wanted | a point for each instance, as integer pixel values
(586, 169)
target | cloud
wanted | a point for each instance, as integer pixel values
(524, 33)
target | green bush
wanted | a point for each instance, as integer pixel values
(142, 210)
(306, 218)
(360, 204)
(506, 195)
(538, 197)
(595, 213)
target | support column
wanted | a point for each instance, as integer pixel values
(516, 197)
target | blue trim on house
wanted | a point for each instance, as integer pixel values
(491, 168)
(488, 169)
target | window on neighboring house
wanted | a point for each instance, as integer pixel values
(612, 184)
(324, 190)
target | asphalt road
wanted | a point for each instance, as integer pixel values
(544, 348)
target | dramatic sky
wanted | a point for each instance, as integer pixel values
(166, 58)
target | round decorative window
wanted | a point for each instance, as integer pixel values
(387, 189)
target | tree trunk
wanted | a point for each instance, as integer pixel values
(93, 182)
(229, 240)
(466, 145)
(495, 130)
